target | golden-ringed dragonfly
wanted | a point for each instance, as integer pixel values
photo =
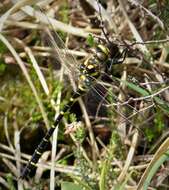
(89, 72)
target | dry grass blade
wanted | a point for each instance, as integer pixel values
(137, 4)
(105, 15)
(133, 28)
(38, 71)
(55, 139)
(17, 6)
(129, 158)
(24, 70)
(6, 131)
(56, 24)
(40, 170)
(161, 153)
(10, 165)
(4, 183)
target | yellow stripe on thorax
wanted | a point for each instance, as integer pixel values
(104, 49)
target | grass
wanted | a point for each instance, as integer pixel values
(116, 136)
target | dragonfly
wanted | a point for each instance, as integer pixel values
(89, 72)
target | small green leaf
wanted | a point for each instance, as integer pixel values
(10, 181)
(90, 40)
(3, 48)
(136, 88)
(70, 186)
(2, 67)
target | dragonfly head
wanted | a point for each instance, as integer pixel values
(113, 51)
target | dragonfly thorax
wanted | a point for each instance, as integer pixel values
(102, 53)
(90, 70)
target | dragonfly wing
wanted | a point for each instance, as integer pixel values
(61, 52)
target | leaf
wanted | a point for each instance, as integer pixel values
(136, 88)
(70, 186)
(2, 67)
(90, 40)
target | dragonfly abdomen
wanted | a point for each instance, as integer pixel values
(43, 144)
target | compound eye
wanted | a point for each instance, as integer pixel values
(87, 82)
(101, 56)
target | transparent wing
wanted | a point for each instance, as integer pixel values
(61, 52)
